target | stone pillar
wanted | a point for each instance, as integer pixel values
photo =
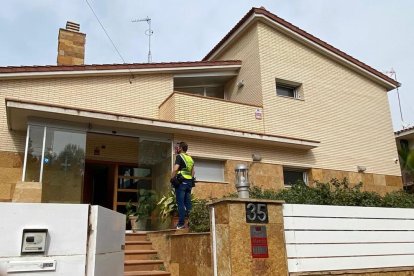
(28, 192)
(246, 247)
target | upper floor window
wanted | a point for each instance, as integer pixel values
(288, 89)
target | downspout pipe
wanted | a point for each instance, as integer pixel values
(214, 238)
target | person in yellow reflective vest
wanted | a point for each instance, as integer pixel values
(183, 176)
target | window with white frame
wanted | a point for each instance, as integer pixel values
(288, 89)
(209, 170)
(293, 176)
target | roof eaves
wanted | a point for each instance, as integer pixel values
(103, 67)
(297, 30)
(402, 131)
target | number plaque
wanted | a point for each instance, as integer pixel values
(256, 212)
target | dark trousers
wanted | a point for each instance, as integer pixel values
(183, 197)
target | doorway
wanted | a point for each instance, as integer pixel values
(98, 188)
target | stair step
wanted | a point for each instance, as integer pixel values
(138, 245)
(142, 265)
(147, 273)
(136, 237)
(148, 254)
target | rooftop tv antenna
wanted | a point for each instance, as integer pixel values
(148, 32)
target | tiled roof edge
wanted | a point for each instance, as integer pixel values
(303, 33)
(403, 130)
(129, 66)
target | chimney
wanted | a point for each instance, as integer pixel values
(71, 45)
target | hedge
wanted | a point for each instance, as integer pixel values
(334, 192)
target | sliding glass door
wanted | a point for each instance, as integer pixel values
(56, 157)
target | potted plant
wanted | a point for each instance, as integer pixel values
(147, 200)
(138, 213)
(131, 215)
(169, 208)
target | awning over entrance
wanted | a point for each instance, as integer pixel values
(19, 112)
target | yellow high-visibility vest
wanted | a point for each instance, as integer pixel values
(189, 164)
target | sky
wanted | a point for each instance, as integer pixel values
(377, 32)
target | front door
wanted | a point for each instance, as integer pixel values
(98, 186)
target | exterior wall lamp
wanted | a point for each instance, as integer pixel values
(242, 180)
(361, 169)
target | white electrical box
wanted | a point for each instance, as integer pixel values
(34, 241)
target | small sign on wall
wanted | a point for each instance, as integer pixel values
(258, 114)
(258, 237)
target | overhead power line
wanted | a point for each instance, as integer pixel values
(103, 28)
(107, 35)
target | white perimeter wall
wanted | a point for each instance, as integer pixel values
(101, 254)
(320, 238)
(106, 242)
(67, 226)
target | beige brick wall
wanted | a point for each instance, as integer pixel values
(348, 113)
(167, 109)
(211, 112)
(237, 150)
(112, 148)
(269, 172)
(246, 50)
(107, 94)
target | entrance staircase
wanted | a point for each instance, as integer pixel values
(141, 258)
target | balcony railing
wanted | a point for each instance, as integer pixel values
(206, 111)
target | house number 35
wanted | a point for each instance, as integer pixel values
(256, 212)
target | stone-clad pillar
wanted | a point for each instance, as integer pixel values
(28, 192)
(246, 242)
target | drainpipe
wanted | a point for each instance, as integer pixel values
(213, 232)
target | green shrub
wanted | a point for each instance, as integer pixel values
(399, 199)
(199, 216)
(334, 192)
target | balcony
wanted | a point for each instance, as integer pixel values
(206, 111)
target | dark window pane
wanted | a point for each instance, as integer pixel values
(285, 91)
(215, 92)
(192, 90)
(127, 196)
(404, 144)
(292, 177)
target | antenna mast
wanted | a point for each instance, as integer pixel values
(148, 32)
(393, 74)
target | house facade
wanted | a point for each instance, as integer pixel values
(269, 95)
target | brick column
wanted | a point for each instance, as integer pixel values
(232, 235)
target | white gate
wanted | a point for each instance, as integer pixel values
(320, 238)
